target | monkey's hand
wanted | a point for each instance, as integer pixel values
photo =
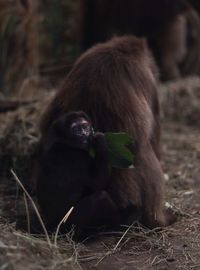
(99, 144)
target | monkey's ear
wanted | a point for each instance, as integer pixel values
(56, 133)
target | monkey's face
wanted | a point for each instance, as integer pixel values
(80, 131)
(73, 129)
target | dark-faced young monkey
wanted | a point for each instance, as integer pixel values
(115, 84)
(68, 176)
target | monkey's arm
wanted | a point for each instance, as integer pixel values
(93, 210)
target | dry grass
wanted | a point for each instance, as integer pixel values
(177, 245)
(25, 251)
(180, 100)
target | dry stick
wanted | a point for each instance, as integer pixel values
(63, 220)
(27, 214)
(35, 208)
(116, 246)
(120, 240)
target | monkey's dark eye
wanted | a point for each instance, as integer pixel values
(76, 129)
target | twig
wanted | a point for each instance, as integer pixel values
(63, 220)
(120, 240)
(34, 206)
(110, 252)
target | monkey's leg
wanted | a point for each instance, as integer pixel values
(151, 174)
(97, 208)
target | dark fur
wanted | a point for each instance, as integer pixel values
(164, 23)
(114, 83)
(68, 176)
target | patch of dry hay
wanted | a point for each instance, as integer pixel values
(180, 100)
(19, 135)
(25, 251)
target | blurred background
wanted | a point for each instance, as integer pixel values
(37, 39)
(40, 39)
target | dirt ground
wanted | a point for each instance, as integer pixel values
(128, 248)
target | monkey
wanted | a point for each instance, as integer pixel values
(115, 84)
(165, 24)
(69, 177)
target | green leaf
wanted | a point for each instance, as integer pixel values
(119, 154)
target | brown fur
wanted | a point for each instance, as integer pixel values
(191, 62)
(114, 83)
